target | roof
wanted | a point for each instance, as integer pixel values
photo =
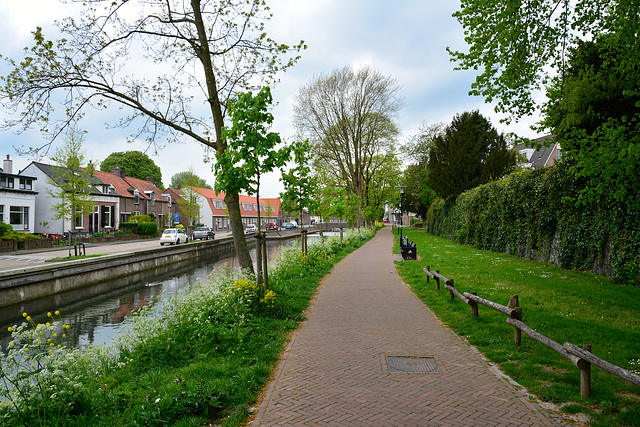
(52, 172)
(120, 185)
(539, 157)
(143, 187)
(211, 196)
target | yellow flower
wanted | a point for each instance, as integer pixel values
(28, 317)
(57, 313)
(10, 329)
(59, 346)
(26, 357)
(48, 324)
(49, 314)
(24, 314)
(51, 345)
(55, 334)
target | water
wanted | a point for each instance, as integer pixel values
(95, 313)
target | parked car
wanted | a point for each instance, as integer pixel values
(205, 233)
(272, 226)
(386, 220)
(288, 225)
(295, 224)
(251, 228)
(174, 236)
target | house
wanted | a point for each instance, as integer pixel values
(214, 214)
(544, 157)
(103, 218)
(137, 196)
(17, 198)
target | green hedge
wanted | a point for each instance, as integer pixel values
(131, 227)
(148, 228)
(533, 214)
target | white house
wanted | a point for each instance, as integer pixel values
(17, 198)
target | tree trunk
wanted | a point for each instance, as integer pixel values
(242, 250)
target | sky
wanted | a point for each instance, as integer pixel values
(402, 39)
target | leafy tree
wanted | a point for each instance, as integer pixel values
(71, 183)
(135, 163)
(468, 154)
(189, 200)
(187, 55)
(180, 179)
(251, 150)
(418, 195)
(350, 118)
(299, 184)
(516, 44)
(594, 113)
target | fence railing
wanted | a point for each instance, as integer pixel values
(582, 358)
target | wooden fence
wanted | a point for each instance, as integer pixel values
(580, 357)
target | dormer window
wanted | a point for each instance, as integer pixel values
(136, 197)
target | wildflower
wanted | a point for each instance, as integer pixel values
(57, 313)
(10, 329)
(49, 314)
(29, 317)
(24, 314)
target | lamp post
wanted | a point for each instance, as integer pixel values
(402, 187)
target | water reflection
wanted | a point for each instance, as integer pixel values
(95, 313)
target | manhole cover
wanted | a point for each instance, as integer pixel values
(412, 364)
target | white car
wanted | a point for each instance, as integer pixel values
(251, 228)
(174, 236)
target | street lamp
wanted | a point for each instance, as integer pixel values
(402, 187)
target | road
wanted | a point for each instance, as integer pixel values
(35, 258)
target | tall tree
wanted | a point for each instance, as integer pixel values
(189, 201)
(135, 163)
(299, 184)
(518, 46)
(350, 118)
(251, 150)
(468, 154)
(181, 179)
(418, 194)
(161, 62)
(71, 183)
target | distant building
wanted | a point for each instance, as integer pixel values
(543, 157)
(17, 198)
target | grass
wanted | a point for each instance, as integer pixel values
(566, 306)
(203, 359)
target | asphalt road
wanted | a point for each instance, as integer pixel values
(26, 259)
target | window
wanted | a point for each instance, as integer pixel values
(25, 184)
(153, 199)
(105, 220)
(1, 213)
(6, 182)
(136, 197)
(19, 217)
(78, 220)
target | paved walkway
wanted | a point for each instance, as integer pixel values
(338, 367)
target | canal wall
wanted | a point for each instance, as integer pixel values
(17, 286)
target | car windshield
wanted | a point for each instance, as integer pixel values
(169, 231)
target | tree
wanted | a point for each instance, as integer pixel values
(71, 183)
(299, 184)
(594, 113)
(189, 201)
(350, 118)
(136, 165)
(468, 154)
(180, 179)
(251, 150)
(516, 44)
(171, 66)
(418, 195)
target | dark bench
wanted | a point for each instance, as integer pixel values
(408, 249)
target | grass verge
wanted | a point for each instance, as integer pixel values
(574, 306)
(204, 357)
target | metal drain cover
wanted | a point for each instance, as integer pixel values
(412, 364)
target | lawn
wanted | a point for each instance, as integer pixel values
(566, 306)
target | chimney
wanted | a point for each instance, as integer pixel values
(119, 172)
(151, 180)
(7, 165)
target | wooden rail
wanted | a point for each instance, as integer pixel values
(580, 357)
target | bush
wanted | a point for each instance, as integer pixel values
(131, 227)
(140, 218)
(5, 229)
(148, 228)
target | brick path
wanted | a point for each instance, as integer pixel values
(335, 370)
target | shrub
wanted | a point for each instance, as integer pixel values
(131, 227)
(140, 218)
(148, 228)
(5, 229)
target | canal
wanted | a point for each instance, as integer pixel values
(96, 313)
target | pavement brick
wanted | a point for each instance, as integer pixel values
(334, 370)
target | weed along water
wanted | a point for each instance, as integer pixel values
(95, 313)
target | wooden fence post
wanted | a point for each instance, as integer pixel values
(474, 306)
(428, 269)
(450, 283)
(585, 376)
(517, 314)
(437, 280)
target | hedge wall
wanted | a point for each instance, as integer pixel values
(533, 214)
